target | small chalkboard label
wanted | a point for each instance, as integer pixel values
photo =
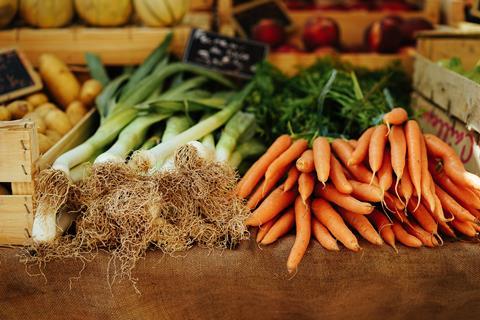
(231, 56)
(17, 76)
(246, 16)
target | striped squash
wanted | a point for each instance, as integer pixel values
(104, 13)
(161, 13)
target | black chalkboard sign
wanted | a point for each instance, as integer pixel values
(17, 76)
(231, 56)
(245, 17)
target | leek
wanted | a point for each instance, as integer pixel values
(153, 140)
(235, 127)
(130, 138)
(96, 68)
(175, 125)
(245, 150)
(208, 141)
(158, 154)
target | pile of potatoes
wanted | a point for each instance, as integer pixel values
(71, 101)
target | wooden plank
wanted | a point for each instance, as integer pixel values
(116, 46)
(197, 5)
(452, 92)
(16, 151)
(16, 219)
(451, 130)
(290, 62)
(22, 188)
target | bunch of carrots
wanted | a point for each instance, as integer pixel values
(392, 184)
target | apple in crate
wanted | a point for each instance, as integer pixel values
(270, 32)
(384, 36)
(320, 32)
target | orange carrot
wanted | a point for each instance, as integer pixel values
(406, 187)
(338, 177)
(292, 178)
(265, 188)
(452, 206)
(385, 173)
(366, 192)
(353, 143)
(475, 212)
(323, 236)
(258, 169)
(276, 176)
(414, 153)
(361, 150)
(424, 217)
(384, 227)
(321, 158)
(306, 183)
(404, 237)
(342, 200)
(398, 152)
(263, 229)
(302, 238)
(451, 162)
(465, 195)
(324, 212)
(395, 116)
(426, 238)
(256, 197)
(426, 180)
(376, 148)
(362, 225)
(393, 203)
(287, 157)
(280, 227)
(446, 229)
(305, 162)
(464, 227)
(271, 206)
(344, 151)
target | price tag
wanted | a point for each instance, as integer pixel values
(17, 76)
(231, 56)
(246, 16)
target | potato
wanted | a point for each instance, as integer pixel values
(37, 99)
(3, 190)
(19, 108)
(44, 143)
(45, 108)
(5, 114)
(75, 111)
(59, 80)
(53, 135)
(90, 90)
(39, 123)
(57, 120)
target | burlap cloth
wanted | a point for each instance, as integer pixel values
(250, 283)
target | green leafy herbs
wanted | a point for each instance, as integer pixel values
(329, 98)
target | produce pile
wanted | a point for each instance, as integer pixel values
(71, 102)
(455, 64)
(392, 184)
(163, 173)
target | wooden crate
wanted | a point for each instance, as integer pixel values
(453, 12)
(354, 23)
(202, 5)
(436, 45)
(290, 62)
(19, 162)
(449, 128)
(116, 46)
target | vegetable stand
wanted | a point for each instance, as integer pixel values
(246, 283)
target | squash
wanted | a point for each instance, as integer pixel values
(104, 13)
(8, 10)
(161, 13)
(46, 13)
(5, 114)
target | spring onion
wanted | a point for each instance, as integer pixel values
(153, 140)
(235, 127)
(245, 150)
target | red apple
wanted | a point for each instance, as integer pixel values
(270, 32)
(411, 26)
(288, 48)
(384, 36)
(320, 32)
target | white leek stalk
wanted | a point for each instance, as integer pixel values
(234, 129)
(245, 150)
(131, 137)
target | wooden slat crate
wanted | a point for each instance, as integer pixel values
(19, 162)
(290, 62)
